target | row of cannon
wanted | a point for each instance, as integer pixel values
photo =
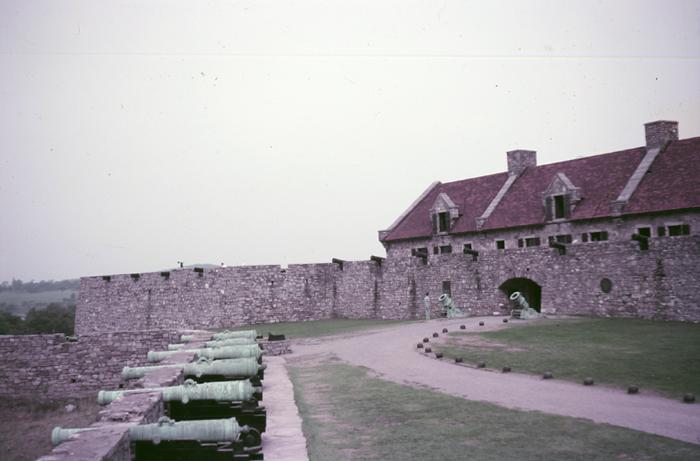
(215, 414)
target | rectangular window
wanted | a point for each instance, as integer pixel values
(467, 246)
(447, 288)
(645, 231)
(563, 238)
(532, 242)
(559, 206)
(661, 231)
(436, 250)
(445, 249)
(443, 222)
(419, 251)
(599, 236)
(528, 242)
(678, 229)
(500, 244)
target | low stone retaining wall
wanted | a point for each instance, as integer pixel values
(50, 366)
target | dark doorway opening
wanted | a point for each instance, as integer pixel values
(531, 290)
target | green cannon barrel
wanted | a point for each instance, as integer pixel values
(228, 352)
(220, 343)
(242, 368)
(231, 342)
(522, 309)
(191, 391)
(59, 434)
(235, 334)
(206, 430)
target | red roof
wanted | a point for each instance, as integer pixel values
(671, 183)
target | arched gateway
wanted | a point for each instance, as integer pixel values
(531, 290)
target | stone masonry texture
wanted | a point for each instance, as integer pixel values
(658, 283)
(47, 367)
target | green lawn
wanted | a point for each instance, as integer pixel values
(349, 416)
(316, 328)
(660, 356)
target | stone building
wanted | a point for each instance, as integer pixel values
(560, 233)
(648, 191)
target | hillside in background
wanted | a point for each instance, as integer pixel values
(18, 297)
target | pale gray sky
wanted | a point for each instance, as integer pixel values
(137, 133)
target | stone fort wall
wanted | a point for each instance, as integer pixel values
(658, 283)
(52, 367)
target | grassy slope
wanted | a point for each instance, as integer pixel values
(316, 328)
(348, 415)
(26, 434)
(664, 356)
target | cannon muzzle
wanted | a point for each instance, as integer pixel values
(59, 434)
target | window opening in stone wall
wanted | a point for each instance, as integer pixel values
(559, 207)
(661, 231)
(443, 221)
(561, 238)
(436, 250)
(606, 285)
(678, 229)
(529, 242)
(500, 244)
(467, 246)
(645, 231)
(598, 236)
(447, 288)
(446, 249)
(584, 237)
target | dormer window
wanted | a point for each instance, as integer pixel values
(560, 198)
(559, 207)
(443, 222)
(443, 213)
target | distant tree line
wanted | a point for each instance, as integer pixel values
(18, 286)
(55, 318)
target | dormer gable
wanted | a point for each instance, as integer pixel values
(443, 213)
(560, 198)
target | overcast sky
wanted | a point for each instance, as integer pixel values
(134, 134)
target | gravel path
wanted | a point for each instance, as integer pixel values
(392, 354)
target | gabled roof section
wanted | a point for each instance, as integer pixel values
(673, 182)
(561, 184)
(443, 202)
(471, 196)
(600, 177)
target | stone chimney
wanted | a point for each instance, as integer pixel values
(660, 132)
(520, 159)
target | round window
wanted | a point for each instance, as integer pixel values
(606, 285)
